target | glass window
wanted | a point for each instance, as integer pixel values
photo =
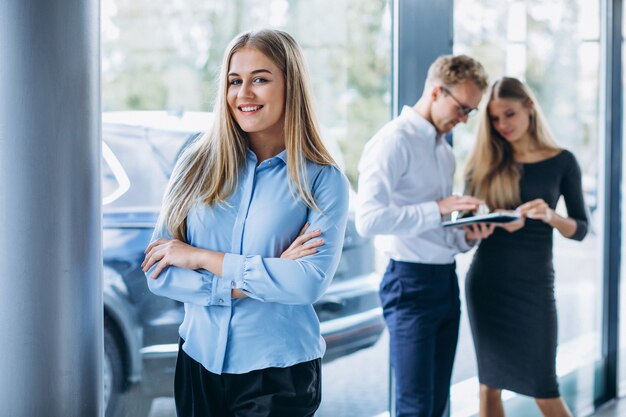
(163, 55)
(622, 314)
(555, 47)
(129, 152)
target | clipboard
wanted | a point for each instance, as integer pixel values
(483, 218)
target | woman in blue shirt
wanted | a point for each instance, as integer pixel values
(249, 238)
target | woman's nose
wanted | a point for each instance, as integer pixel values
(245, 90)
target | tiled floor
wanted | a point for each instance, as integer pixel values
(614, 409)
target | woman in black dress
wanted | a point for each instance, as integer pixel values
(517, 165)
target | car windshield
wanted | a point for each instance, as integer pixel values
(137, 163)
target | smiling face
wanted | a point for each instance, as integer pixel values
(256, 94)
(449, 103)
(510, 118)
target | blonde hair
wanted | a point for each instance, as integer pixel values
(491, 171)
(208, 169)
(451, 70)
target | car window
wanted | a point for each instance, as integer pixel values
(140, 150)
(137, 164)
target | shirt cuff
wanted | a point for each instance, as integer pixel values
(220, 294)
(233, 270)
(465, 245)
(232, 274)
(432, 216)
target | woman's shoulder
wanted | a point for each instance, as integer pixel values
(329, 175)
(326, 171)
(567, 154)
(553, 156)
(566, 158)
(561, 160)
(570, 163)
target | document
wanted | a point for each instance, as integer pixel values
(483, 218)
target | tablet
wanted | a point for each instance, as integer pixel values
(483, 218)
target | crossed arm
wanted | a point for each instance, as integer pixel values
(165, 252)
(300, 275)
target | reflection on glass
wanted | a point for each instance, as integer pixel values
(554, 46)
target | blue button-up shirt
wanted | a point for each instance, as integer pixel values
(277, 325)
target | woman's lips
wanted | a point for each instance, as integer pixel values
(249, 108)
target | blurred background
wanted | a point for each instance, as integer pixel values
(164, 55)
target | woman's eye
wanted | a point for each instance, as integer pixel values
(510, 114)
(260, 80)
(234, 82)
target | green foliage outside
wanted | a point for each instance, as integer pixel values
(164, 55)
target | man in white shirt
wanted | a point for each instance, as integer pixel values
(405, 187)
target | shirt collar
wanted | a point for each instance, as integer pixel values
(419, 123)
(282, 156)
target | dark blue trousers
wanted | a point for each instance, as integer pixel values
(422, 309)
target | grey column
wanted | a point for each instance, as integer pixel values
(422, 30)
(50, 251)
(613, 109)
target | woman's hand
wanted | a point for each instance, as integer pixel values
(237, 294)
(303, 246)
(538, 210)
(171, 252)
(512, 226)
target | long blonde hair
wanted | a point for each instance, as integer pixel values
(491, 171)
(208, 170)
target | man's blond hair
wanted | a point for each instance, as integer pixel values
(451, 70)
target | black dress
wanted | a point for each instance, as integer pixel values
(510, 287)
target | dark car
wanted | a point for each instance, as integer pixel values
(141, 329)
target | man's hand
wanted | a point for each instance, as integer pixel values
(478, 231)
(456, 202)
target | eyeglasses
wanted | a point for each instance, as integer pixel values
(462, 109)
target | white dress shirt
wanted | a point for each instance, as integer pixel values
(405, 168)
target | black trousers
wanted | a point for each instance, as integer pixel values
(422, 310)
(295, 391)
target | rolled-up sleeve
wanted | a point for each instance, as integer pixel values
(301, 281)
(188, 286)
(380, 168)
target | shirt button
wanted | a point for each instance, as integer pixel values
(232, 284)
(221, 301)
